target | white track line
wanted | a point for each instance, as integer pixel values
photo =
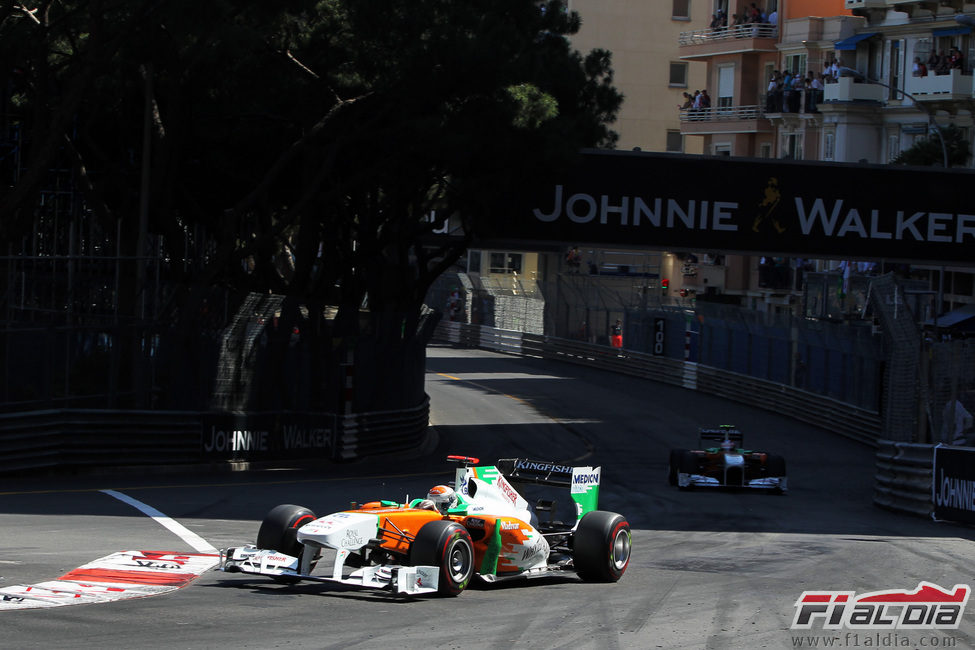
(188, 536)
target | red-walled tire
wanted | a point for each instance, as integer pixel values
(601, 546)
(448, 545)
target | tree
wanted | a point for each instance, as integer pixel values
(930, 152)
(300, 148)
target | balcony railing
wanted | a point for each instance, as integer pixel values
(725, 113)
(752, 30)
(847, 90)
(953, 83)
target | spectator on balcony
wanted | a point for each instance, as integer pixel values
(832, 72)
(955, 60)
(788, 90)
(773, 98)
(688, 101)
(943, 65)
(773, 18)
(814, 92)
(920, 70)
(705, 99)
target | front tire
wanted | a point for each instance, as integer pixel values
(601, 546)
(448, 545)
(279, 532)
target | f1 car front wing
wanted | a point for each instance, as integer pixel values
(400, 579)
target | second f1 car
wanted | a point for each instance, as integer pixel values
(722, 461)
(481, 527)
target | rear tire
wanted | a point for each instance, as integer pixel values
(448, 545)
(775, 467)
(279, 532)
(675, 455)
(601, 546)
(688, 465)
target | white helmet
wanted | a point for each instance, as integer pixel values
(443, 496)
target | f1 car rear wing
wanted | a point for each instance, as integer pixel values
(720, 434)
(583, 482)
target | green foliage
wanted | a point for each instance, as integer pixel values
(296, 147)
(930, 151)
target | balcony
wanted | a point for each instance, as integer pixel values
(954, 85)
(702, 43)
(912, 9)
(724, 119)
(847, 90)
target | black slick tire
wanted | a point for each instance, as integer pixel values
(279, 532)
(601, 546)
(448, 545)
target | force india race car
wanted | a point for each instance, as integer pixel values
(722, 462)
(488, 529)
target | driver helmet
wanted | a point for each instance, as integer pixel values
(727, 445)
(443, 497)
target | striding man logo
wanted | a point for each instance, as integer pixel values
(767, 207)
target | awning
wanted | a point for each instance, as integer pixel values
(961, 318)
(952, 31)
(851, 42)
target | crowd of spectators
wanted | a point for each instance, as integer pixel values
(939, 63)
(752, 15)
(697, 103)
(787, 91)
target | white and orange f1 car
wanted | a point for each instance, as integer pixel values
(482, 526)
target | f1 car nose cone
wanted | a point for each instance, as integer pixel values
(734, 460)
(350, 530)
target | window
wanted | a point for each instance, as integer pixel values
(765, 150)
(678, 74)
(792, 146)
(505, 263)
(895, 70)
(893, 147)
(961, 283)
(796, 64)
(829, 145)
(681, 9)
(474, 261)
(726, 87)
(675, 142)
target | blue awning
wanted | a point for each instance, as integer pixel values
(851, 42)
(952, 31)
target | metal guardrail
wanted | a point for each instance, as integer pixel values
(67, 439)
(749, 30)
(77, 438)
(842, 418)
(903, 478)
(720, 113)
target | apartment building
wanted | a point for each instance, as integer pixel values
(647, 69)
(880, 107)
